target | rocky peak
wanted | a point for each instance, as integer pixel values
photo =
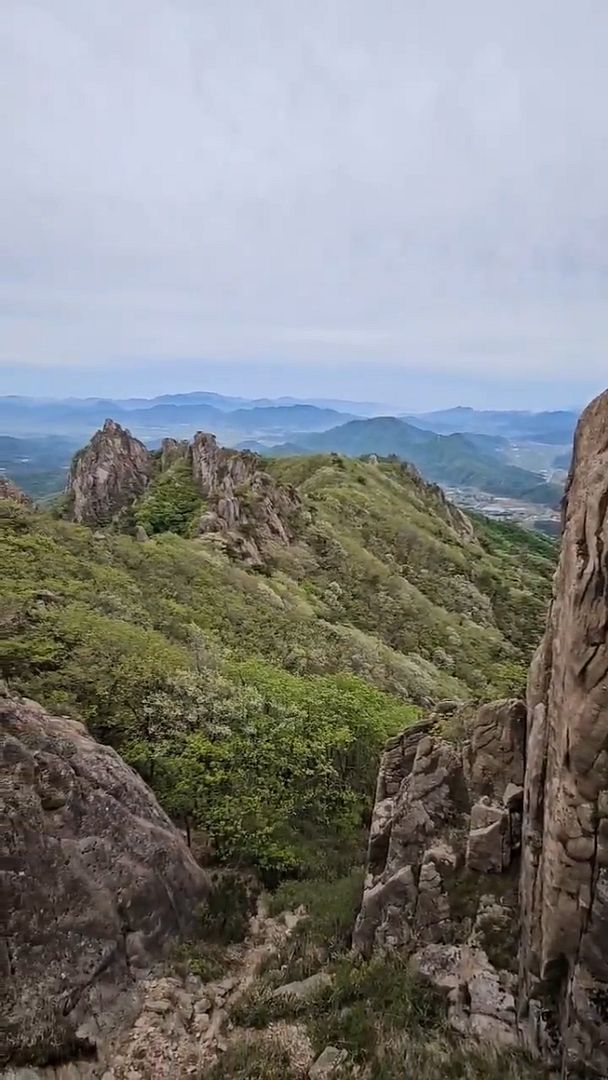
(245, 504)
(107, 475)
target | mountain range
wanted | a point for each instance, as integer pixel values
(503, 454)
(455, 460)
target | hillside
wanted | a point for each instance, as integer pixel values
(206, 672)
(453, 460)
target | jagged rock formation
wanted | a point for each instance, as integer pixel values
(242, 503)
(443, 854)
(107, 475)
(8, 490)
(564, 956)
(96, 885)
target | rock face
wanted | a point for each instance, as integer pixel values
(242, 503)
(443, 860)
(107, 475)
(96, 885)
(8, 490)
(564, 955)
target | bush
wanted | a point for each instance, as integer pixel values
(171, 503)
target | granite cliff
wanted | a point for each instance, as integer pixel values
(488, 855)
(564, 886)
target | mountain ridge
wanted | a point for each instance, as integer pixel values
(449, 459)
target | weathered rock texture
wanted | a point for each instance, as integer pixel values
(443, 860)
(564, 956)
(242, 502)
(96, 884)
(107, 475)
(8, 490)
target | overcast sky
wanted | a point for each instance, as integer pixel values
(381, 198)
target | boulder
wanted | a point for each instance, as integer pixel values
(96, 882)
(244, 504)
(447, 822)
(306, 989)
(328, 1063)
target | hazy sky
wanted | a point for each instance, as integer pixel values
(388, 198)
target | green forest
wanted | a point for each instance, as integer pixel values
(256, 702)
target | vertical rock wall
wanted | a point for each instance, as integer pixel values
(564, 886)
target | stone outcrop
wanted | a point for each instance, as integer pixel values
(564, 955)
(8, 490)
(96, 885)
(241, 503)
(245, 504)
(443, 859)
(107, 475)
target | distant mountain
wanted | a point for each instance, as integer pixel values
(543, 427)
(174, 415)
(453, 460)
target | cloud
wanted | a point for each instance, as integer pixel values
(411, 185)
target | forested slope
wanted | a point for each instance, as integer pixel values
(256, 699)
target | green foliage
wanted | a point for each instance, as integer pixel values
(229, 906)
(310, 742)
(206, 959)
(171, 503)
(256, 705)
(325, 932)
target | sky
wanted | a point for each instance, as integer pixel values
(403, 201)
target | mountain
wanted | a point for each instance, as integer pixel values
(254, 696)
(233, 420)
(543, 427)
(318, 564)
(453, 460)
(563, 460)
